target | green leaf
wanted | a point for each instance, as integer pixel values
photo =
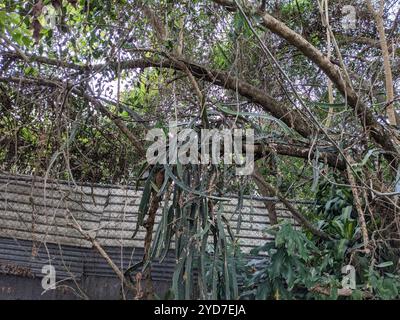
(283, 125)
(385, 264)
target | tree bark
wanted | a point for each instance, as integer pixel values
(149, 225)
(273, 218)
(391, 113)
(374, 129)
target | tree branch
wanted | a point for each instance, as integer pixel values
(283, 149)
(377, 132)
(298, 216)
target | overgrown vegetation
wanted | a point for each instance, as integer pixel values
(82, 81)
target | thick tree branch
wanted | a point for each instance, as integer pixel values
(260, 150)
(376, 131)
(291, 117)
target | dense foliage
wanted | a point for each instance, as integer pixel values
(82, 81)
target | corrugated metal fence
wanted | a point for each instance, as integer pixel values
(35, 230)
